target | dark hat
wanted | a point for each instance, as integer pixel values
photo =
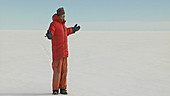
(60, 11)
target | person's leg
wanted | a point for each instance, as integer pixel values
(57, 65)
(63, 82)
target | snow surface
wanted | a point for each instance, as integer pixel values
(113, 63)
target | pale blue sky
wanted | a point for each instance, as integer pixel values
(90, 14)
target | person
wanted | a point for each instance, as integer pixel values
(58, 33)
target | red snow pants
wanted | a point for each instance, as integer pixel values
(60, 74)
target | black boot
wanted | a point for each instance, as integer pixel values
(63, 91)
(55, 92)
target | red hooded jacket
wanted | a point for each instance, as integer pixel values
(59, 40)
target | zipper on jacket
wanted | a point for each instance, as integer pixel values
(64, 34)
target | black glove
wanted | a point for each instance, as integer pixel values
(49, 35)
(76, 28)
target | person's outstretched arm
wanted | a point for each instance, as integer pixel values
(72, 29)
(50, 32)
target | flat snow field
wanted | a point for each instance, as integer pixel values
(101, 63)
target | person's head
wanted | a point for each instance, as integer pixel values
(61, 13)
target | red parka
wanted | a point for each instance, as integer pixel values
(59, 40)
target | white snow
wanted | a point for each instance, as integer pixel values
(110, 63)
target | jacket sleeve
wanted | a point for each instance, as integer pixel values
(69, 31)
(52, 28)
